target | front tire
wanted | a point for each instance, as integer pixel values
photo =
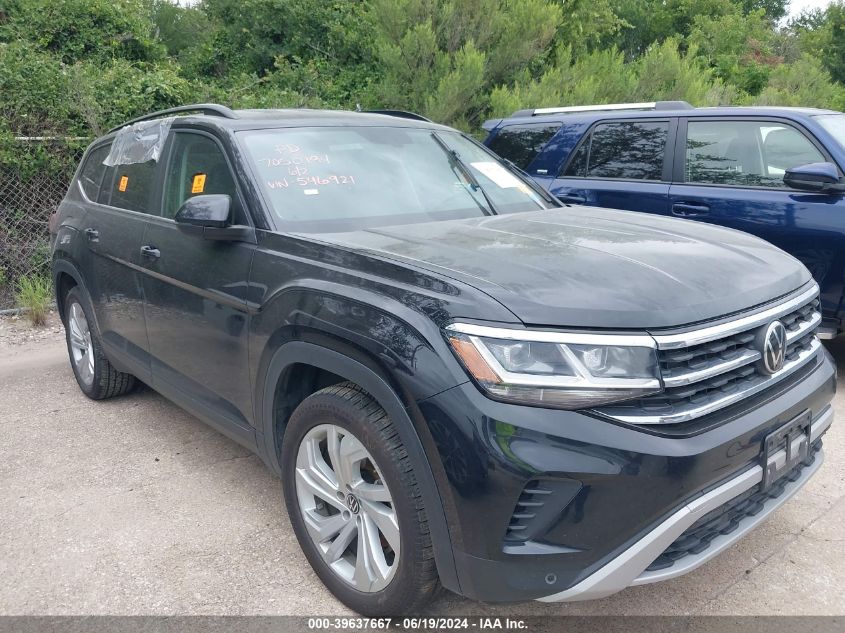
(355, 505)
(94, 373)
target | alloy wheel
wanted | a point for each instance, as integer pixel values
(82, 353)
(347, 507)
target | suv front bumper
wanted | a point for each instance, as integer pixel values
(614, 497)
(631, 566)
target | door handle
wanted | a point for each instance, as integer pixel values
(689, 209)
(93, 235)
(150, 251)
(572, 198)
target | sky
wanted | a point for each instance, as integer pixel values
(797, 7)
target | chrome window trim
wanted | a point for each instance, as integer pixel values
(82, 191)
(538, 336)
(707, 334)
(710, 407)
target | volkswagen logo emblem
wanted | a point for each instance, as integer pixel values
(773, 348)
(352, 503)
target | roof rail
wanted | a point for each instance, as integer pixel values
(399, 113)
(212, 109)
(650, 105)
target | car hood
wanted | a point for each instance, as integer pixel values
(592, 267)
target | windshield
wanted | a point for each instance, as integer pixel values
(835, 126)
(344, 179)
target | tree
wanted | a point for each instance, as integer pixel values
(80, 66)
(664, 72)
(442, 57)
(805, 83)
(34, 88)
(822, 35)
(774, 10)
(180, 28)
(740, 49)
(75, 30)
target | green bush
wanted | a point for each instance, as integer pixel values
(79, 67)
(75, 30)
(805, 83)
(35, 294)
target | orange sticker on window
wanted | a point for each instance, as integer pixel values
(198, 184)
(124, 180)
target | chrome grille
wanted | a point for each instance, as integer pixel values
(713, 371)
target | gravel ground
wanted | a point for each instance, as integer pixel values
(132, 506)
(16, 331)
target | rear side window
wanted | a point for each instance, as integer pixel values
(131, 186)
(91, 176)
(520, 144)
(578, 165)
(745, 153)
(623, 151)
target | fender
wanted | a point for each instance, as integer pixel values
(60, 266)
(355, 371)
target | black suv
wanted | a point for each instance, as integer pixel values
(459, 380)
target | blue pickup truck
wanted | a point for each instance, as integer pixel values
(773, 172)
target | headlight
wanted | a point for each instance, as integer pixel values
(567, 371)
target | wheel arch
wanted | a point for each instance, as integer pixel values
(367, 374)
(65, 277)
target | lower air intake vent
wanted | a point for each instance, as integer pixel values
(539, 507)
(530, 504)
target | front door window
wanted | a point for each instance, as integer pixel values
(745, 153)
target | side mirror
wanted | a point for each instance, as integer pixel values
(210, 210)
(818, 177)
(209, 217)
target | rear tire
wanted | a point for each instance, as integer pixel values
(94, 373)
(355, 504)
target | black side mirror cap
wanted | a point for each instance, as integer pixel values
(818, 177)
(210, 210)
(209, 217)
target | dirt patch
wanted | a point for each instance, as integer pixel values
(17, 331)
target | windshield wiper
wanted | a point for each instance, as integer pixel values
(459, 166)
(540, 191)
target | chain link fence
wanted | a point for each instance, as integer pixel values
(34, 176)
